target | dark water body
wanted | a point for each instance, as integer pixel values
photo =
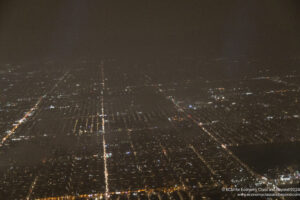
(264, 157)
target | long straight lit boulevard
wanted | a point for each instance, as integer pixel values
(123, 130)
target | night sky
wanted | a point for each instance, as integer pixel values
(67, 29)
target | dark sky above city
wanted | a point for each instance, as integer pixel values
(50, 29)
